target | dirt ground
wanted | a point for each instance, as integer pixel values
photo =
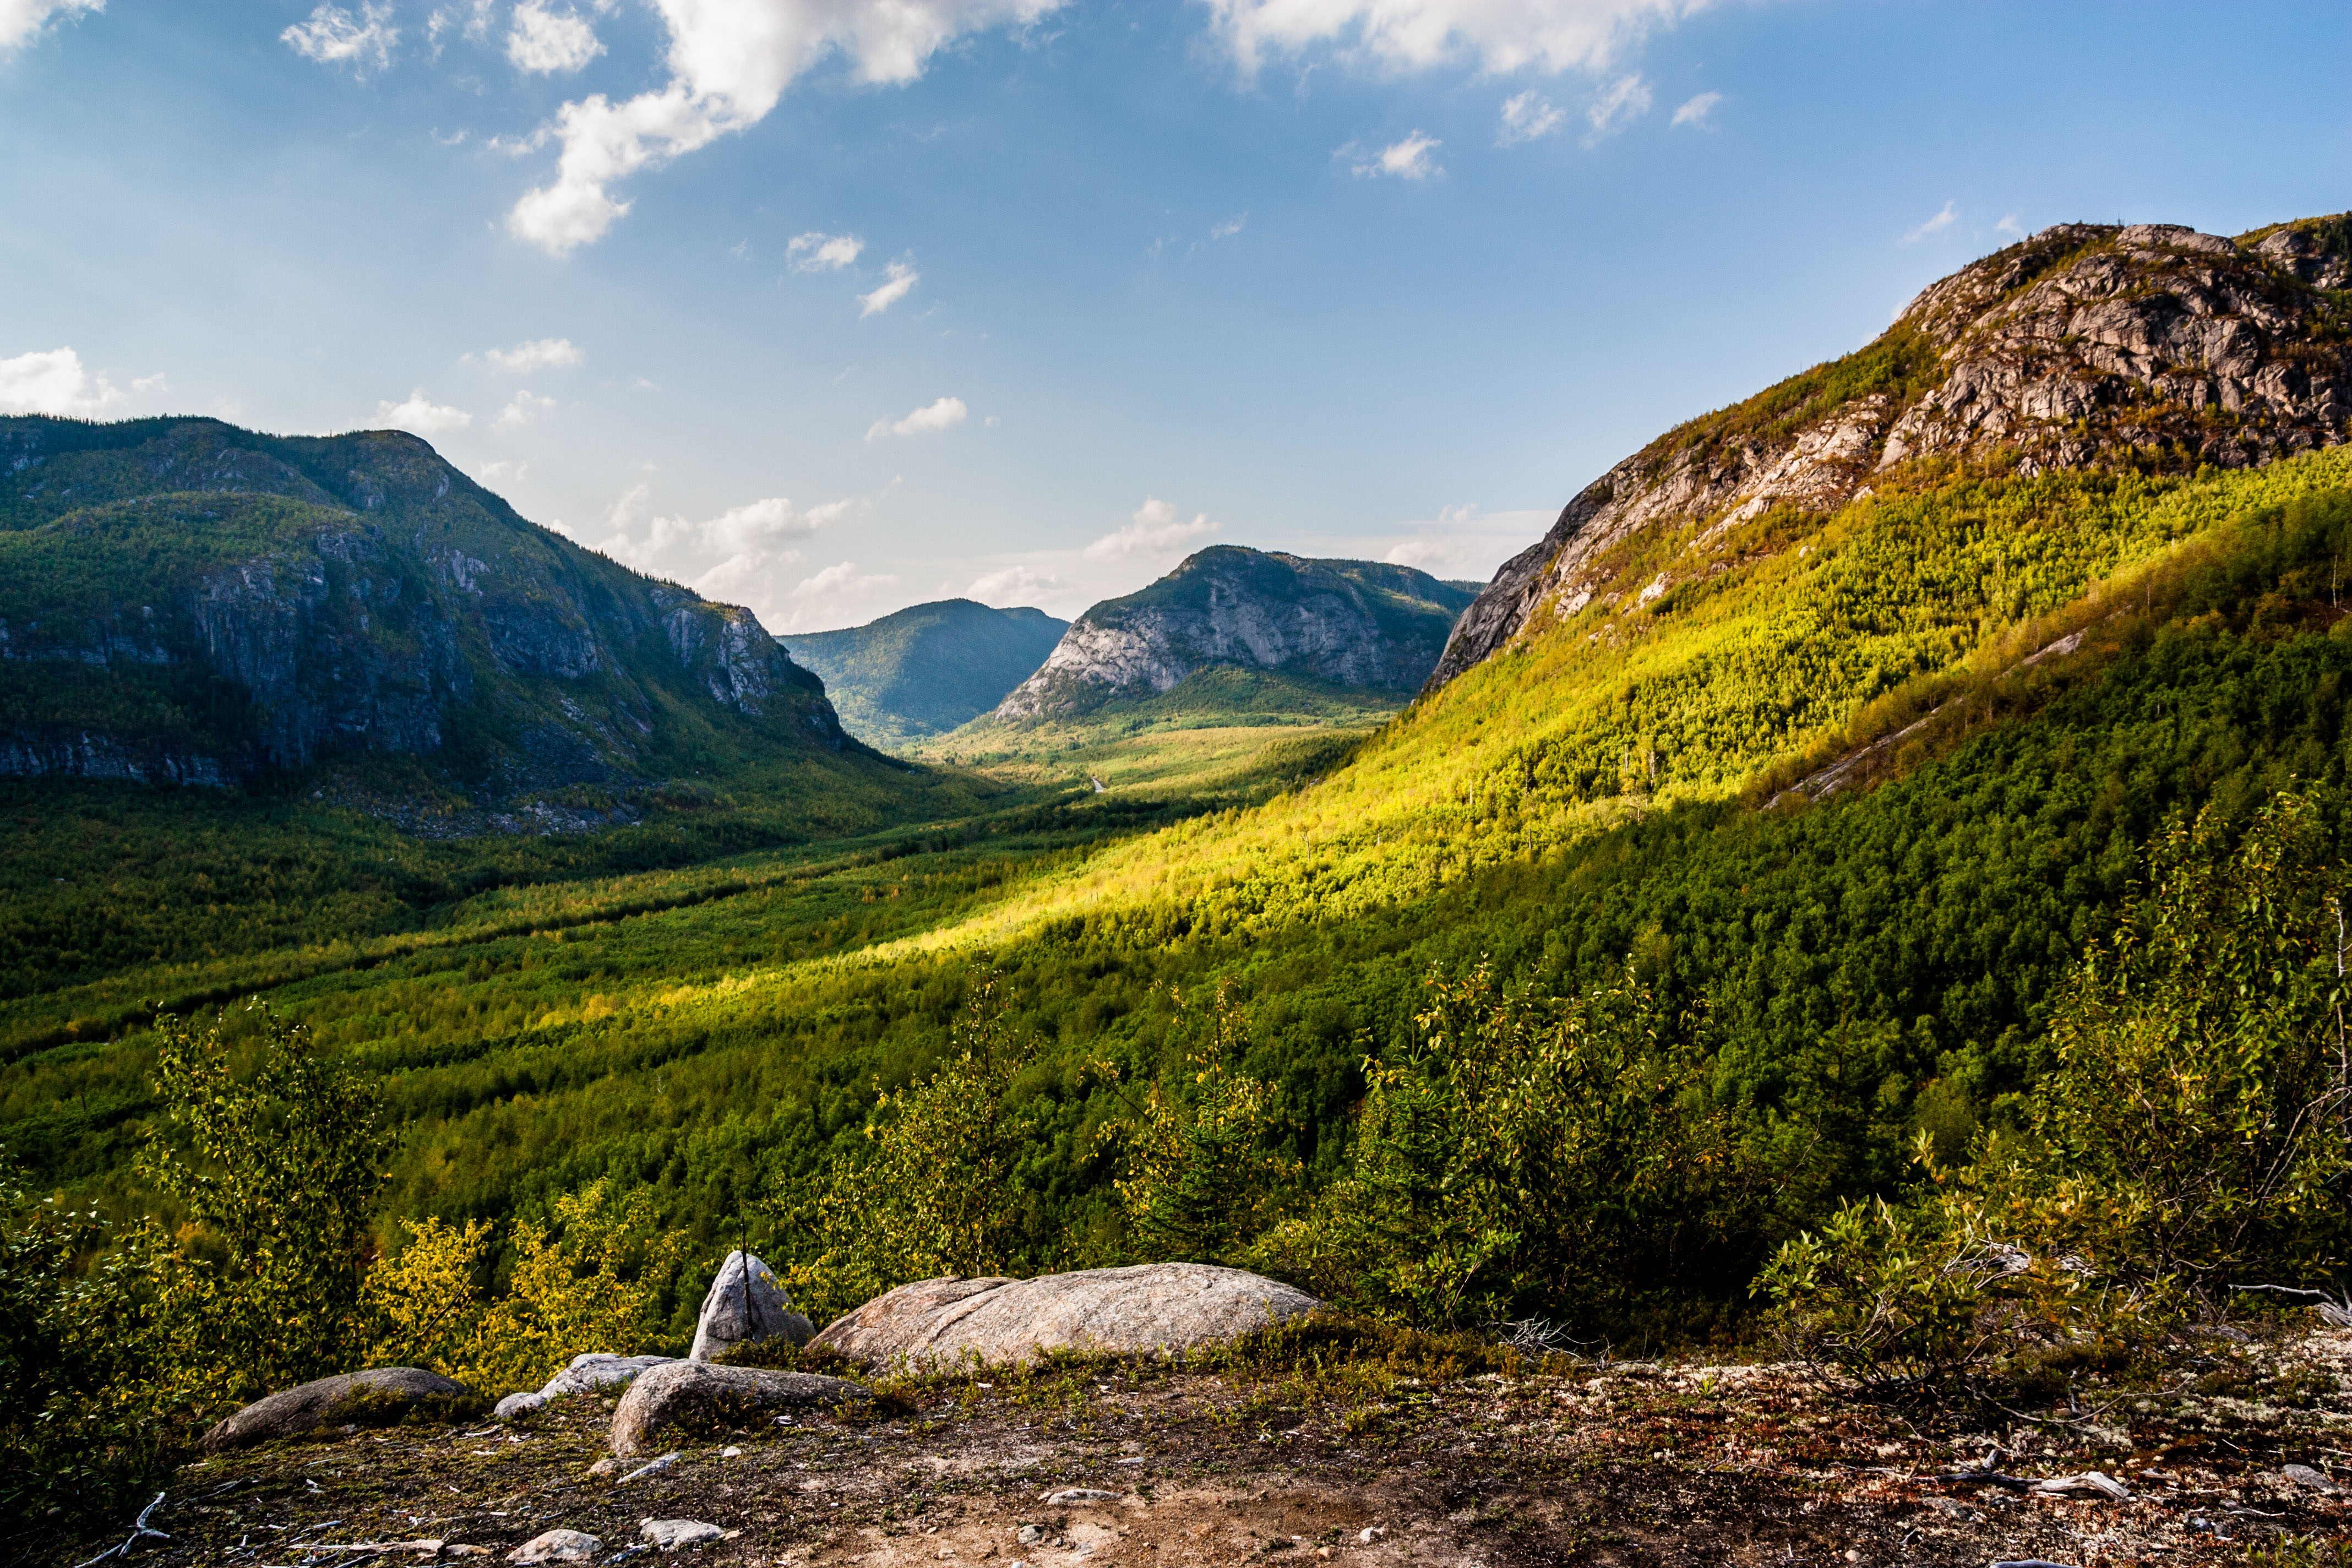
(1633, 1463)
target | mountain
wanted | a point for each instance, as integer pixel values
(926, 668)
(1346, 622)
(2085, 346)
(183, 600)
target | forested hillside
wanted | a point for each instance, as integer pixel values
(923, 670)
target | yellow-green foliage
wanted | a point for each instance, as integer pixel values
(1200, 1178)
(587, 1281)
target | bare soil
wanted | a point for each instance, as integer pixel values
(1632, 1463)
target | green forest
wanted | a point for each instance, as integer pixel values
(1553, 996)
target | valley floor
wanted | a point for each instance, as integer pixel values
(1607, 1462)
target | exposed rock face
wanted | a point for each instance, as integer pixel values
(184, 602)
(383, 1397)
(745, 1304)
(1151, 1309)
(2082, 345)
(1353, 623)
(695, 1397)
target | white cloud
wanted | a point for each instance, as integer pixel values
(54, 381)
(823, 252)
(1154, 530)
(1499, 35)
(1936, 224)
(538, 353)
(521, 409)
(20, 19)
(762, 522)
(420, 416)
(1407, 160)
(1621, 103)
(471, 19)
(2008, 225)
(333, 35)
(1528, 115)
(1013, 586)
(945, 414)
(545, 42)
(729, 62)
(147, 385)
(902, 280)
(840, 595)
(1695, 111)
(1230, 227)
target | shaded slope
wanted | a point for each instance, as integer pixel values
(926, 668)
(183, 600)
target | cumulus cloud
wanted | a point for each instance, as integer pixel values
(1497, 36)
(1528, 115)
(1011, 587)
(1407, 160)
(1621, 103)
(1936, 224)
(334, 37)
(537, 354)
(521, 409)
(945, 414)
(737, 557)
(20, 19)
(823, 252)
(1230, 227)
(1695, 111)
(545, 43)
(55, 382)
(420, 416)
(470, 19)
(729, 62)
(2008, 225)
(900, 281)
(1155, 530)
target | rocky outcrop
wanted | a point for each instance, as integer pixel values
(588, 1373)
(383, 1397)
(182, 601)
(697, 1398)
(1153, 1309)
(744, 1305)
(1352, 622)
(2083, 345)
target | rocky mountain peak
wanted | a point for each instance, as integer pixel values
(2083, 345)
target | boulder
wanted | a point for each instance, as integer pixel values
(696, 1398)
(558, 1546)
(383, 1396)
(670, 1534)
(745, 1303)
(586, 1375)
(1153, 1309)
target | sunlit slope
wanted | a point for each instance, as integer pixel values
(1627, 706)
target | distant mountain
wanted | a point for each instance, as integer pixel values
(2086, 346)
(182, 600)
(926, 668)
(1348, 623)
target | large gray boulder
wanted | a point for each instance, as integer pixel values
(586, 1375)
(745, 1303)
(1152, 1309)
(383, 1397)
(697, 1398)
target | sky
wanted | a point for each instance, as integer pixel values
(828, 306)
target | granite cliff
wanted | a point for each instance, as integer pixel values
(2085, 345)
(183, 601)
(1350, 623)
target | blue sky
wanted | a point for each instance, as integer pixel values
(827, 307)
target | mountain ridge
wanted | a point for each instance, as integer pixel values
(2081, 345)
(925, 669)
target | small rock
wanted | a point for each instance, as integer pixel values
(607, 1466)
(516, 1406)
(730, 1452)
(2305, 1475)
(664, 1463)
(1954, 1508)
(1079, 1494)
(745, 1303)
(1029, 1535)
(1371, 1533)
(557, 1546)
(670, 1534)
